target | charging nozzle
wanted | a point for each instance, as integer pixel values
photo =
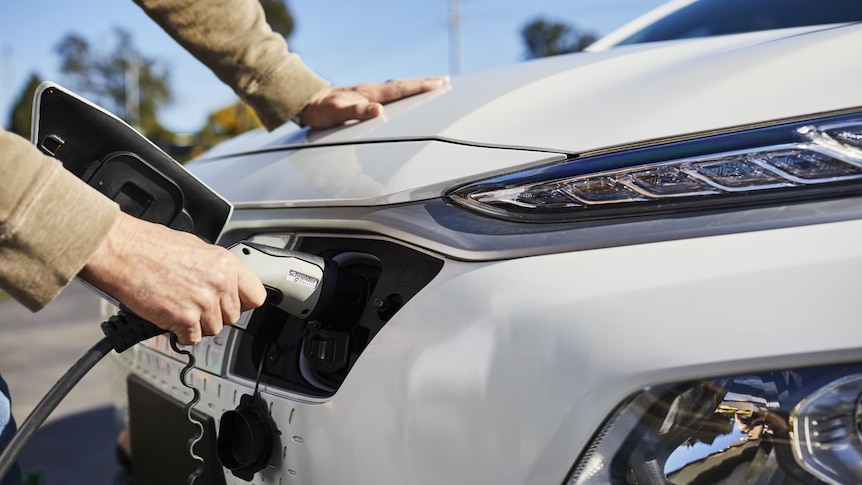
(305, 286)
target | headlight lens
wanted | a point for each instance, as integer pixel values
(790, 426)
(785, 162)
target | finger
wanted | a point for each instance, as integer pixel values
(372, 110)
(333, 115)
(251, 291)
(401, 88)
(187, 327)
(230, 307)
(211, 321)
(360, 109)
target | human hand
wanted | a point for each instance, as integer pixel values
(173, 279)
(337, 106)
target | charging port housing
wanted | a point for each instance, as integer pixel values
(313, 357)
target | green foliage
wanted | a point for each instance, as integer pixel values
(122, 80)
(545, 38)
(22, 108)
(278, 16)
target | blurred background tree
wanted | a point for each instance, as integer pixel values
(21, 114)
(121, 80)
(545, 38)
(224, 124)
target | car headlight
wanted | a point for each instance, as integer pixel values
(787, 426)
(791, 161)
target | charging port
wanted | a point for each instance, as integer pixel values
(315, 355)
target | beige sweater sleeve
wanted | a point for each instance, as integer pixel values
(50, 223)
(232, 38)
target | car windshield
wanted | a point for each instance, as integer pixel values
(705, 18)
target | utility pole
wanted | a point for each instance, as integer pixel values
(454, 36)
(8, 79)
(133, 91)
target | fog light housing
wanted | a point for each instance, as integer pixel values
(788, 426)
(827, 431)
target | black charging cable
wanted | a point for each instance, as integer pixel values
(122, 331)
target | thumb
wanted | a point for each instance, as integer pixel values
(329, 115)
(372, 110)
(359, 111)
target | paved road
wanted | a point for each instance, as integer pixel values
(76, 444)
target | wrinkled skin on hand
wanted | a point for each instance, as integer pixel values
(173, 279)
(337, 106)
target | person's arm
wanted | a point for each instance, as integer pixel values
(53, 227)
(232, 38)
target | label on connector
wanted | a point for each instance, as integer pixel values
(303, 279)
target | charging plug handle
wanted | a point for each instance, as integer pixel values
(125, 329)
(304, 285)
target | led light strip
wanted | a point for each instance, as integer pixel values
(826, 154)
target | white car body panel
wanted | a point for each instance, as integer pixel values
(358, 175)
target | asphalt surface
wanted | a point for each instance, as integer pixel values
(76, 444)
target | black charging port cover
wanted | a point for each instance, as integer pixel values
(120, 162)
(247, 437)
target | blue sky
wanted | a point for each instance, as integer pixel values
(347, 42)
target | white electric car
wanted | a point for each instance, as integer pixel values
(640, 265)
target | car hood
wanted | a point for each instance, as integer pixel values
(538, 111)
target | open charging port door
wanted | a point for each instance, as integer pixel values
(125, 166)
